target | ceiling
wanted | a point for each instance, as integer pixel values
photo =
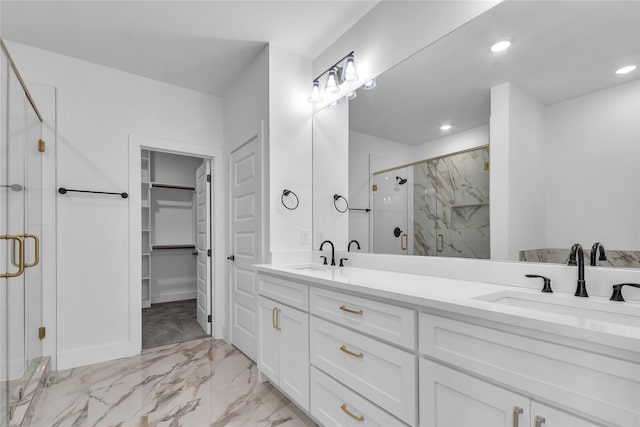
(200, 45)
(559, 50)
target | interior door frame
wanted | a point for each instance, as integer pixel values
(218, 249)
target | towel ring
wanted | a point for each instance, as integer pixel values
(337, 197)
(286, 193)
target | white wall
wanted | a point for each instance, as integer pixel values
(290, 158)
(97, 109)
(445, 145)
(331, 175)
(393, 31)
(592, 146)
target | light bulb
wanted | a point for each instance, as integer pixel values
(349, 73)
(370, 84)
(627, 69)
(500, 46)
(315, 93)
(332, 82)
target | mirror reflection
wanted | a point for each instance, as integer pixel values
(515, 154)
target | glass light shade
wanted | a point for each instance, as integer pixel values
(332, 82)
(351, 95)
(349, 73)
(315, 93)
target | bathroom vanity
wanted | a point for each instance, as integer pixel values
(355, 346)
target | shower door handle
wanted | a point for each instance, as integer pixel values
(20, 266)
(440, 243)
(404, 242)
(36, 258)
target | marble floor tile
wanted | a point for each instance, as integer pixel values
(205, 382)
(170, 323)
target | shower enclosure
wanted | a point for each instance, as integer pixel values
(20, 231)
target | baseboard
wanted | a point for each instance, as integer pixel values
(96, 354)
(175, 296)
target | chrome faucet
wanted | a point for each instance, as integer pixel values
(594, 249)
(349, 245)
(577, 252)
(333, 251)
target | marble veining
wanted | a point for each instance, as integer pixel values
(204, 382)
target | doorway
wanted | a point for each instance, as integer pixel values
(175, 232)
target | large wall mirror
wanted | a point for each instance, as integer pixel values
(460, 151)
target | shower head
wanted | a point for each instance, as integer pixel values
(401, 180)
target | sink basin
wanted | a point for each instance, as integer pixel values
(311, 267)
(587, 309)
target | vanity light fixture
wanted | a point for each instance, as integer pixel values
(315, 93)
(332, 85)
(626, 69)
(351, 95)
(445, 127)
(500, 46)
(370, 84)
(342, 71)
(334, 104)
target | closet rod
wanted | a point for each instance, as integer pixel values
(176, 187)
(63, 190)
(156, 247)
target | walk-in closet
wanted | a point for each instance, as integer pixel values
(175, 204)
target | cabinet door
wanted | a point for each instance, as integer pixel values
(294, 354)
(268, 340)
(451, 398)
(546, 416)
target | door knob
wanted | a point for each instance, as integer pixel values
(231, 257)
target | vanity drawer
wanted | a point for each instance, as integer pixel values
(384, 321)
(381, 373)
(332, 402)
(285, 291)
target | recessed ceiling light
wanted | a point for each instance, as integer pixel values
(500, 46)
(445, 127)
(627, 69)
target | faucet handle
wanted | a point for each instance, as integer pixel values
(617, 291)
(341, 261)
(325, 259)
(547, 282)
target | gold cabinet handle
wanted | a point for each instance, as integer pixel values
(20, 266)
(273, 317)
(348, 310)
(346, 411)
(540, 420)
(516, 415)
(36, 241)
(404, 242)
(278, 320)
(351, 353)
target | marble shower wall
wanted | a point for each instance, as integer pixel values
(451, 205)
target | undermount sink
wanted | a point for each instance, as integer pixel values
(600, 310)
(312, 267)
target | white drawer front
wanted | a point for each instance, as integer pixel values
(381, 373)
(387, 322)
(333, 404)
(592, 384)
(291, 293)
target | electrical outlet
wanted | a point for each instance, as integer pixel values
(304, 237)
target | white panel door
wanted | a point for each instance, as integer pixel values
(246, 202)
(203, 241)
(449, 398)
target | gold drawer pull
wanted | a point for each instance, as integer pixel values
(348, 310)
(540, 420)
(346, 411)
(516, 415)
(351, 353)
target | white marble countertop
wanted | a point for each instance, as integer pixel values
(592, 319)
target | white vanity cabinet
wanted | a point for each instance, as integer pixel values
(283, 338)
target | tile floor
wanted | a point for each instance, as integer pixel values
(205, 382)
(170, 323)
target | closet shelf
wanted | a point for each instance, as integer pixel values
(171, 186)
(161, 247)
